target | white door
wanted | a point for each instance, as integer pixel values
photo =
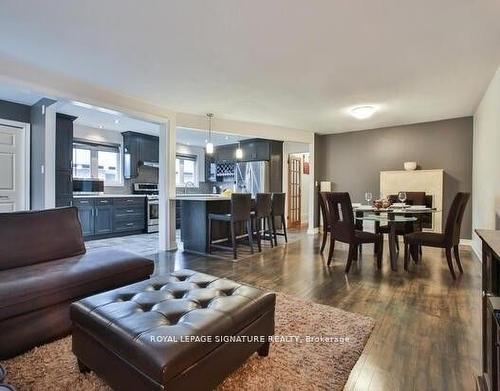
(12, 169)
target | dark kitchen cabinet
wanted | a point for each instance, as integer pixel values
(103, 220)
(226, 153)
(106, 216)
(64, 159)
(149, 149)
(256, 150)
(139, 148)
(64, 188)
(86, 215)
(131, 153)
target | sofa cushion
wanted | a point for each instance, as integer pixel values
(29, 288)
(27, 238)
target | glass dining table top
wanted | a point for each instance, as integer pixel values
(387, 219)
(396, 211)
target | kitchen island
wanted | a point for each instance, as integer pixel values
(194, 220)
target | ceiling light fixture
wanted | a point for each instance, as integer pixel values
(239, 152)
(362, 112)
(117, 121)
(209, 145)
(100, 126)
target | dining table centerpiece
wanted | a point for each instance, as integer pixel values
(382, 203)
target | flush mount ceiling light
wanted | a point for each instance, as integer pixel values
(210, 146)
(362, 112)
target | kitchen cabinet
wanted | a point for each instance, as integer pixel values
(109, 216)
(256, 150)
(253, 150)
(139, 148)
(64, 159)
(226, 153)
(149, 149)
(86, 216)
(103, 219)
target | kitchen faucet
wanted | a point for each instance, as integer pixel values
(191, 184)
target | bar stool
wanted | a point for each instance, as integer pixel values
(241, 206)
(278, 211)
(262, 214)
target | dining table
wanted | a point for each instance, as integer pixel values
(393, 217)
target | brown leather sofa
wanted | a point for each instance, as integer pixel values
(44, 267)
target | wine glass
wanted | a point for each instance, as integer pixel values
(368, 197)
(402, 196)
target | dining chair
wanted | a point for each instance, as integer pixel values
(324, 215)
(262, 216)
(278, 212)
(241, 206)
(343, 229)
(447, 240)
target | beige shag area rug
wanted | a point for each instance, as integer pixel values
(301, 364)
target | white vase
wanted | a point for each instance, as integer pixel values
(410, 166)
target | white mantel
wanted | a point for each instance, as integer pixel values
(430, 181)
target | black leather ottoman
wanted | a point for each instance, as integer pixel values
(186, 331)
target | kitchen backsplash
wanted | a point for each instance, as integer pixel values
(150, 175)
(146, 175)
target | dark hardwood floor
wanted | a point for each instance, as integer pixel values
(427, 335)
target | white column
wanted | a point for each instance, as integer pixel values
(312, 191)
(166, 185)
(50, 156)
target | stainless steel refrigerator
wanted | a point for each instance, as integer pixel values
(252, 177)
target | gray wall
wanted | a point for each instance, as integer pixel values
(14, 111)
(353, 160)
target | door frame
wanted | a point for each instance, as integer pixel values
(26, 130)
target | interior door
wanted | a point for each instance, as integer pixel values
(294, 196)
(12, 169)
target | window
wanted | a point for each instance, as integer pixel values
(186, 170)
(97, 161)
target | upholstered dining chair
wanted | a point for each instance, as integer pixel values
(447, 240)
(343, 229)
(324, 215)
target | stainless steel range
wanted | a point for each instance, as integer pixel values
(151, 192)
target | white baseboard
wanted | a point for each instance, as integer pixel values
(466, 242)
(312, 231)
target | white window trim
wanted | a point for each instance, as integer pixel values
(195, 158)
(94, 166)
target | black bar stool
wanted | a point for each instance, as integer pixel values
(262, 214)
(241, 206)
(278, 211)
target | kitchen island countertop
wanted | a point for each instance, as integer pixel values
(107, 195)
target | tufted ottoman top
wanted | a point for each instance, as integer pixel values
(147, 323)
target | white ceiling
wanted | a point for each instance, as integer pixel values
(293, 63)
(94, 118)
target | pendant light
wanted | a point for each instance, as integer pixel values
(210, 146)
(239, 152)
